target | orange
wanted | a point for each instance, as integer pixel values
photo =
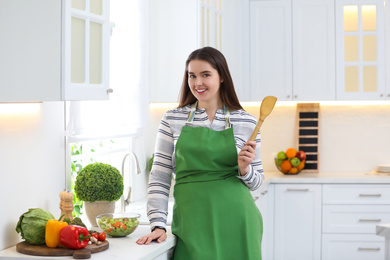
(285, 166)
(301, 165)
(293, 170)
(290, 153)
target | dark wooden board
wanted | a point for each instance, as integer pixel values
(43, 250)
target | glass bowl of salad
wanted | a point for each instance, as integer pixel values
(118, 224)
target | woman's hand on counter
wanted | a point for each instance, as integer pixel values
(246, 156)
(157, 234)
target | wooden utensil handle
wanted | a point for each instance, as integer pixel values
(256, 130)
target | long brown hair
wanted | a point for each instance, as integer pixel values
(226, 90)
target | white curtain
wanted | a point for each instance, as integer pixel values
(126, 111)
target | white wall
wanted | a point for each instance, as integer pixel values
(32, 165)
(353, 138)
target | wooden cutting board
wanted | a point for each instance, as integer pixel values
(43, 250)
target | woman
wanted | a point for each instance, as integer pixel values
(203, 142)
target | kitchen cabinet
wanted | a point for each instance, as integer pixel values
(297, 218)
(292, 49)
(54, 50)
(350, 215)
(387, 39)
(177, 28)
(264, 198)
(348, 246)
(173, 33)
(361, 50)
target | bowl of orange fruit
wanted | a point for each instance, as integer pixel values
(290, 161)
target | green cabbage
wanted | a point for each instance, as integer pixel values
(32, 225)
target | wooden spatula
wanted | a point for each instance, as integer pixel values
(266, 107)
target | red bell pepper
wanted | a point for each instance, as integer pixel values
(74, 237)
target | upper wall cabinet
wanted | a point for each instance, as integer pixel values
(292, 49)
(176, 28)
(360, 28)
(54, 50)
(173, 35)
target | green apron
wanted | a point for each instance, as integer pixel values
(214, 215)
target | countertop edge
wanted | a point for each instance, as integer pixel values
(146, 252)
(327, 178)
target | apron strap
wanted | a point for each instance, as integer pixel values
(227, 117)
(191, 116)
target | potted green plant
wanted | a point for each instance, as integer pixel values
(99, 185)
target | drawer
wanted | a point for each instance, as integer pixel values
(356, 247)
(354, 218)
(356, 194)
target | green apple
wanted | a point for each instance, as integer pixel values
(278, 162)
(295, 162)
(281, 155)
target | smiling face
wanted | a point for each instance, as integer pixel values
(204, 82)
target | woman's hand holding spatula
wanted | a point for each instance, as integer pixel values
(247, 153)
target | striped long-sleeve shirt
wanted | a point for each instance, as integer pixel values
(164, 157)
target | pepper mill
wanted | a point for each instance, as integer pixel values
(66, 204)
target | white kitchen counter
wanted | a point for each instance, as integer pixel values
(329, 178)
(126, 248)
(120, 248)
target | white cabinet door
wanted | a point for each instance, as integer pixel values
(358, 194)
(354, 218)
(86, 33)
(313, 50)
(297, 222)
(387, 39)
(264, 199)
(360, 51)
(292, 50)
(174, 34)
(353, 246)
(271, 50)
(30, 50)
(38, 54)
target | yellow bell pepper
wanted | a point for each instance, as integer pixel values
(52, 232)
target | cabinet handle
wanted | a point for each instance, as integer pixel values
(110, 90)
(264, 192)
(255, 198)
(370, 195)
(297, 189)
(369, 248)
(370, 220)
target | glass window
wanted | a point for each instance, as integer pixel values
(369, 17)
(77, 51)
(351, 22)
(96, 7)
(369, 79)
(78, 4)
(351, 79)
(95, 55)
(351, 48)
(369, 48)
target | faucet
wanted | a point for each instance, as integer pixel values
(125, 202)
